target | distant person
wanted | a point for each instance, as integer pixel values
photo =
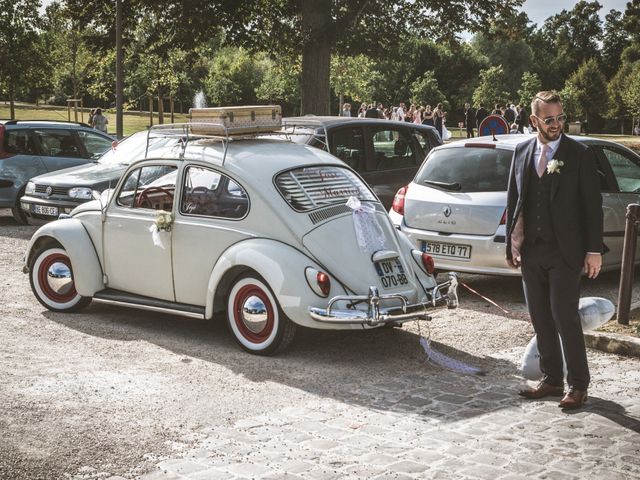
(439, 118)
(522, 118)
(92, 113)
(372, 111)
(497, 110)
(514, 128)
(509, 115)
(401, 112)
(481, 114)
(636, 131)
(346, 110)
(469, 119)
(427, 116)
(100, 122)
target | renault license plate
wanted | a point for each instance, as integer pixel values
(446, 249)
(391, 273)
(43, 210)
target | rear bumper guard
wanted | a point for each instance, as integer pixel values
(444, 294)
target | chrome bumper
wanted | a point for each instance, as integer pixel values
(374, 315)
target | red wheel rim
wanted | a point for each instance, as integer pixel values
(243, 294)
(43, 280)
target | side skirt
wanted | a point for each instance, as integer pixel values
(116, 297)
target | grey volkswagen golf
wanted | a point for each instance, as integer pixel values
(30, 148)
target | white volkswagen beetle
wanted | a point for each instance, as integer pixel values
(254, 225)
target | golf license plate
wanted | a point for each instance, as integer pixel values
(446, 249)
(43, 210)
(391, 273)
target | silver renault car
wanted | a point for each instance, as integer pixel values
(455, 208)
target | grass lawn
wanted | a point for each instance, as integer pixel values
(133, 121)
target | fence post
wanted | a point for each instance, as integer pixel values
(628, 261)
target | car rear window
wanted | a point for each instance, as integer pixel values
(467, 169)
(309, 188)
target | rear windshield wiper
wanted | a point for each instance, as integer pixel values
(445, 185)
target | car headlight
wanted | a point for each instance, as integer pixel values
(31, 188)
(81, 193)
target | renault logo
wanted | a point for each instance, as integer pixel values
(49, 191)
(447, 211)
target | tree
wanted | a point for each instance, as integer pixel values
(631, 92)
(492, 87)
(590, 85)
(425, 90)
(20, 55)
(529, 86)
(353, 77)
(281, 85)
(571, 102)
(614, 40)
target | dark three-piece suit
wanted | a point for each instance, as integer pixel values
(561, 219)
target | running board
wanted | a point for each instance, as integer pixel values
(116, 297)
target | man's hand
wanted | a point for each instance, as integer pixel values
(514, 262)
(592, 264)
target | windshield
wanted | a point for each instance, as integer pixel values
(314, 187)
(467, 169)
(133, 148)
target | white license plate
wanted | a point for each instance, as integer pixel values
(391, 273)
(42, 210)
(447, 249)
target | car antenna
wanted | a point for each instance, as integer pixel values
(493, 133)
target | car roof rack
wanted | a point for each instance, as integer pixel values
(216, 131)
(15, 122)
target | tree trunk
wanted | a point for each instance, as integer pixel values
(12, 107)
(318, 38)
(160, 108)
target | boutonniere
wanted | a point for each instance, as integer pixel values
(554, 166)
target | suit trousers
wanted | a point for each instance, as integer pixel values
(552, 292)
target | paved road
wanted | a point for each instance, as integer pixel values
(116, 393)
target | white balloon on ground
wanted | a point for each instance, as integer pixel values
(594, 312)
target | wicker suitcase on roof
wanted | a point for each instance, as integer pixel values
(236, 120)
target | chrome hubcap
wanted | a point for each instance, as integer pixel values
(254, 314)
(59, 278)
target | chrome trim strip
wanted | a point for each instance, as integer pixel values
(150, 308)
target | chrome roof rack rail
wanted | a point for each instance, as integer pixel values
(322, 137)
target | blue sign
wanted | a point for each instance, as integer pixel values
(493, 125)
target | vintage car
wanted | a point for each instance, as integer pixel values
(251, 224)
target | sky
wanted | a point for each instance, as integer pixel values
(539, 10)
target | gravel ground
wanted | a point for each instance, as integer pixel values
(111, 391)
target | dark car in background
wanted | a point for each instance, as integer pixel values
(30, 148)
(387, 154)
(49, 195)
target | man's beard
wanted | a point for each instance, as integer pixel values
(549, 137)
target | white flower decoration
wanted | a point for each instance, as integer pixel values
(163, 220)
(554, 166)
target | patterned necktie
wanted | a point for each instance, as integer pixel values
(542, 162)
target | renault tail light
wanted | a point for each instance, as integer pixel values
(398, 201)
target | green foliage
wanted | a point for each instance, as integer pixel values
(614, 40)
(280, 84)
(571, 102)
(631, 91)
(491, 89)
(590, 86)
(425, 91)
(529, 86)
(354, 77)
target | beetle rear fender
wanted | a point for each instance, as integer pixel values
(280, 265)
(71, 235)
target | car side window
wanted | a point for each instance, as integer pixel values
(95, 144)
(59, 143)
(392, 149)
(348, 145)
(150, 187)
(211, 194)
(625, 168)
(20, 142)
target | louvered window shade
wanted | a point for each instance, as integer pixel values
(315, 187)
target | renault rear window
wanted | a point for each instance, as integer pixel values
(309, 188)
(467, 169)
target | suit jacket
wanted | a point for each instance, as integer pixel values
(481, 114)
(576, 203)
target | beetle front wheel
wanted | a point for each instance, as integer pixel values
(51, 278)
(255, 318)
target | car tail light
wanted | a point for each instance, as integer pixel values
(319, 281)
(503, 220)
(428, 263)
(398, 201)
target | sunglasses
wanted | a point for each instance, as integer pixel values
(549, 120)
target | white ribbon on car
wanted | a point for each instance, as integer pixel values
(369, 233)
(155, 236)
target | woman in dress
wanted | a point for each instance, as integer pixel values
(427, 116)
(439, 115)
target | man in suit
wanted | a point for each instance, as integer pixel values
(469, 119)
(481, 114)
(554, 225)
(521, 118)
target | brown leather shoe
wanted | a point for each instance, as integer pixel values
(573, 399)
(542, 390)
